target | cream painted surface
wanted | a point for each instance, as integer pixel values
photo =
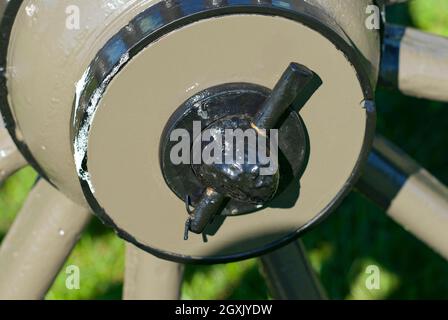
(421, 207)
(423, 68)
(39, 242)
(124, 141)
(150, 278)
(11, 159)
(45, 61)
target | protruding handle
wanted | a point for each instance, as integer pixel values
(295, 80)
(209, 204)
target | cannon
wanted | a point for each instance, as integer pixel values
(118, 114)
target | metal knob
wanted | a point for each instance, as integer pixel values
(244, 181)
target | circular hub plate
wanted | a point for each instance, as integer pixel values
(120, 172)
(222, 101)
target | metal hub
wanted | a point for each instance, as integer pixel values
(142, 208)
(240, 183)
(216, 103)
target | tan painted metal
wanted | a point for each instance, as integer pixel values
(421, 207)
(423, 70)
(150, 278)
(143, 205)
(351, 15)
(11, 159)
(60, 57)
(38, 243)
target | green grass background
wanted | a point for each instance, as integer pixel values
(358, 234)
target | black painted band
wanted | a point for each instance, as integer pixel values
(390, 58)
(385, 173)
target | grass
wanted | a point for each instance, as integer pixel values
(356, 236)
(430, 15)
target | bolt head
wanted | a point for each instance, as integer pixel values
(238, 172)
